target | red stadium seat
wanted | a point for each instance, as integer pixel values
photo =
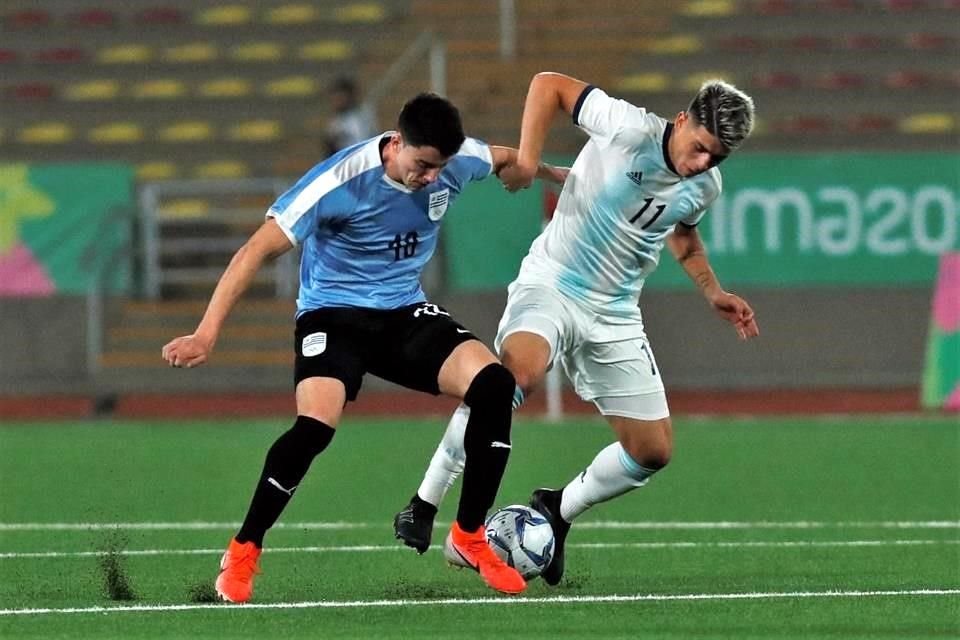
(7, 56)
(840, 80)
(160, 16)
(777, 80)
(906, 5)
(28, 19)
(740, 43)
(907, 79)
(93, 18)
(32, 91)
(870, 123)
(810, 43)
(59, 55)
(865, 42)
(774, 7)
(925, 41)
(814, 124)
(838, 5)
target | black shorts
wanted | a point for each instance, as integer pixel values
(406, 346)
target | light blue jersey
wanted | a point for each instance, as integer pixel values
(366, 237)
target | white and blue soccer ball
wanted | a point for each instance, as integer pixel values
(522, 537)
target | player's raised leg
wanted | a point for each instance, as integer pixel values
(319, 405)
(472, 373)
(644, 447)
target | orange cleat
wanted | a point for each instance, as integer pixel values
(473, 550)
(237, 569)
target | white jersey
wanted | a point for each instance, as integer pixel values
(618, 204)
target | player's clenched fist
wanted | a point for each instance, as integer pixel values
(186, 351)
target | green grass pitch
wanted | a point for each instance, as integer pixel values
(774, 528)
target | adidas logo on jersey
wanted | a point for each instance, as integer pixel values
(635, 176)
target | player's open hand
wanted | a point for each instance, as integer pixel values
(738, 313)
(186, 351)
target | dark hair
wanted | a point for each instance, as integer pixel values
(427, 120)
(725, 111)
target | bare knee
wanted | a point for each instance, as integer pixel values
(650, 444)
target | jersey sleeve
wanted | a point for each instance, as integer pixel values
(606, 119)
(316, 200)
(476, 158)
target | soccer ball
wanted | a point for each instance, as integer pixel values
(522, 537)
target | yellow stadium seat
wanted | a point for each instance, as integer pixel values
(644, 82)
(184, 208)
(292, 14)
(92, 90)
(158, 170)
(192, 52)
(674, 45)
(46, 133)
(326, 50)
(255, 131)
(291, 86)
(709, 8)
(160, 89)
(187, 131)
(231, 14)
(226, 88)
(257, 52)
(222, 169)
(693, 81)
(360, 12)
(125, 54)
(928, 123)
(116, 133)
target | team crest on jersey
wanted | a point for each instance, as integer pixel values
(438, 204)
(314, 344)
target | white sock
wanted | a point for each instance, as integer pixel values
(612, 473)
(447, 462)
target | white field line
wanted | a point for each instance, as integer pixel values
(506, 600)
(595, 524)
(786, 544)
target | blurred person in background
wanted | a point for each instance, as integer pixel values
(351, 120)
(368, 221)
(639, 182)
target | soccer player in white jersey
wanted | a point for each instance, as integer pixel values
(639, 182)
(368, 221)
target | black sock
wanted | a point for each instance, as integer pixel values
(286, 464)
(486, 443)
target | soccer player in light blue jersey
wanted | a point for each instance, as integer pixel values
(367, 220)
(640, 182)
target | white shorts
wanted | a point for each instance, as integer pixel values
(609, 361)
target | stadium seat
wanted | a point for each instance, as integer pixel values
(643, 83)
(159, 16)
(191, 52)
(675, 45)
(810, 42)
(92, 90)
(870, 123)
(708, 8)
(225, 88)
(187, 131)
(116, 133)
(927, 123)
(60, 55)
(8, 56)
(95, 18)
(925, 41)
(222, 169)
(903, 6)
(366, 12)
(291, 86)
(184, 208)
(257, 52)
(839, 80)
(28, 19)
(774, 7)
(865, 42)
(255, 131)
(226, 15)
(292, 14)
(160, 89)
(907, 79)
(46, 133)
(804, 124)
(125, 54)
(32, 91)
(740, 44)
(157, 170)
(326, 50)
(777, 80)
(839, 6)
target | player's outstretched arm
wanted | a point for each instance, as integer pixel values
(687, 247)
(548, 93)
(266, 243)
